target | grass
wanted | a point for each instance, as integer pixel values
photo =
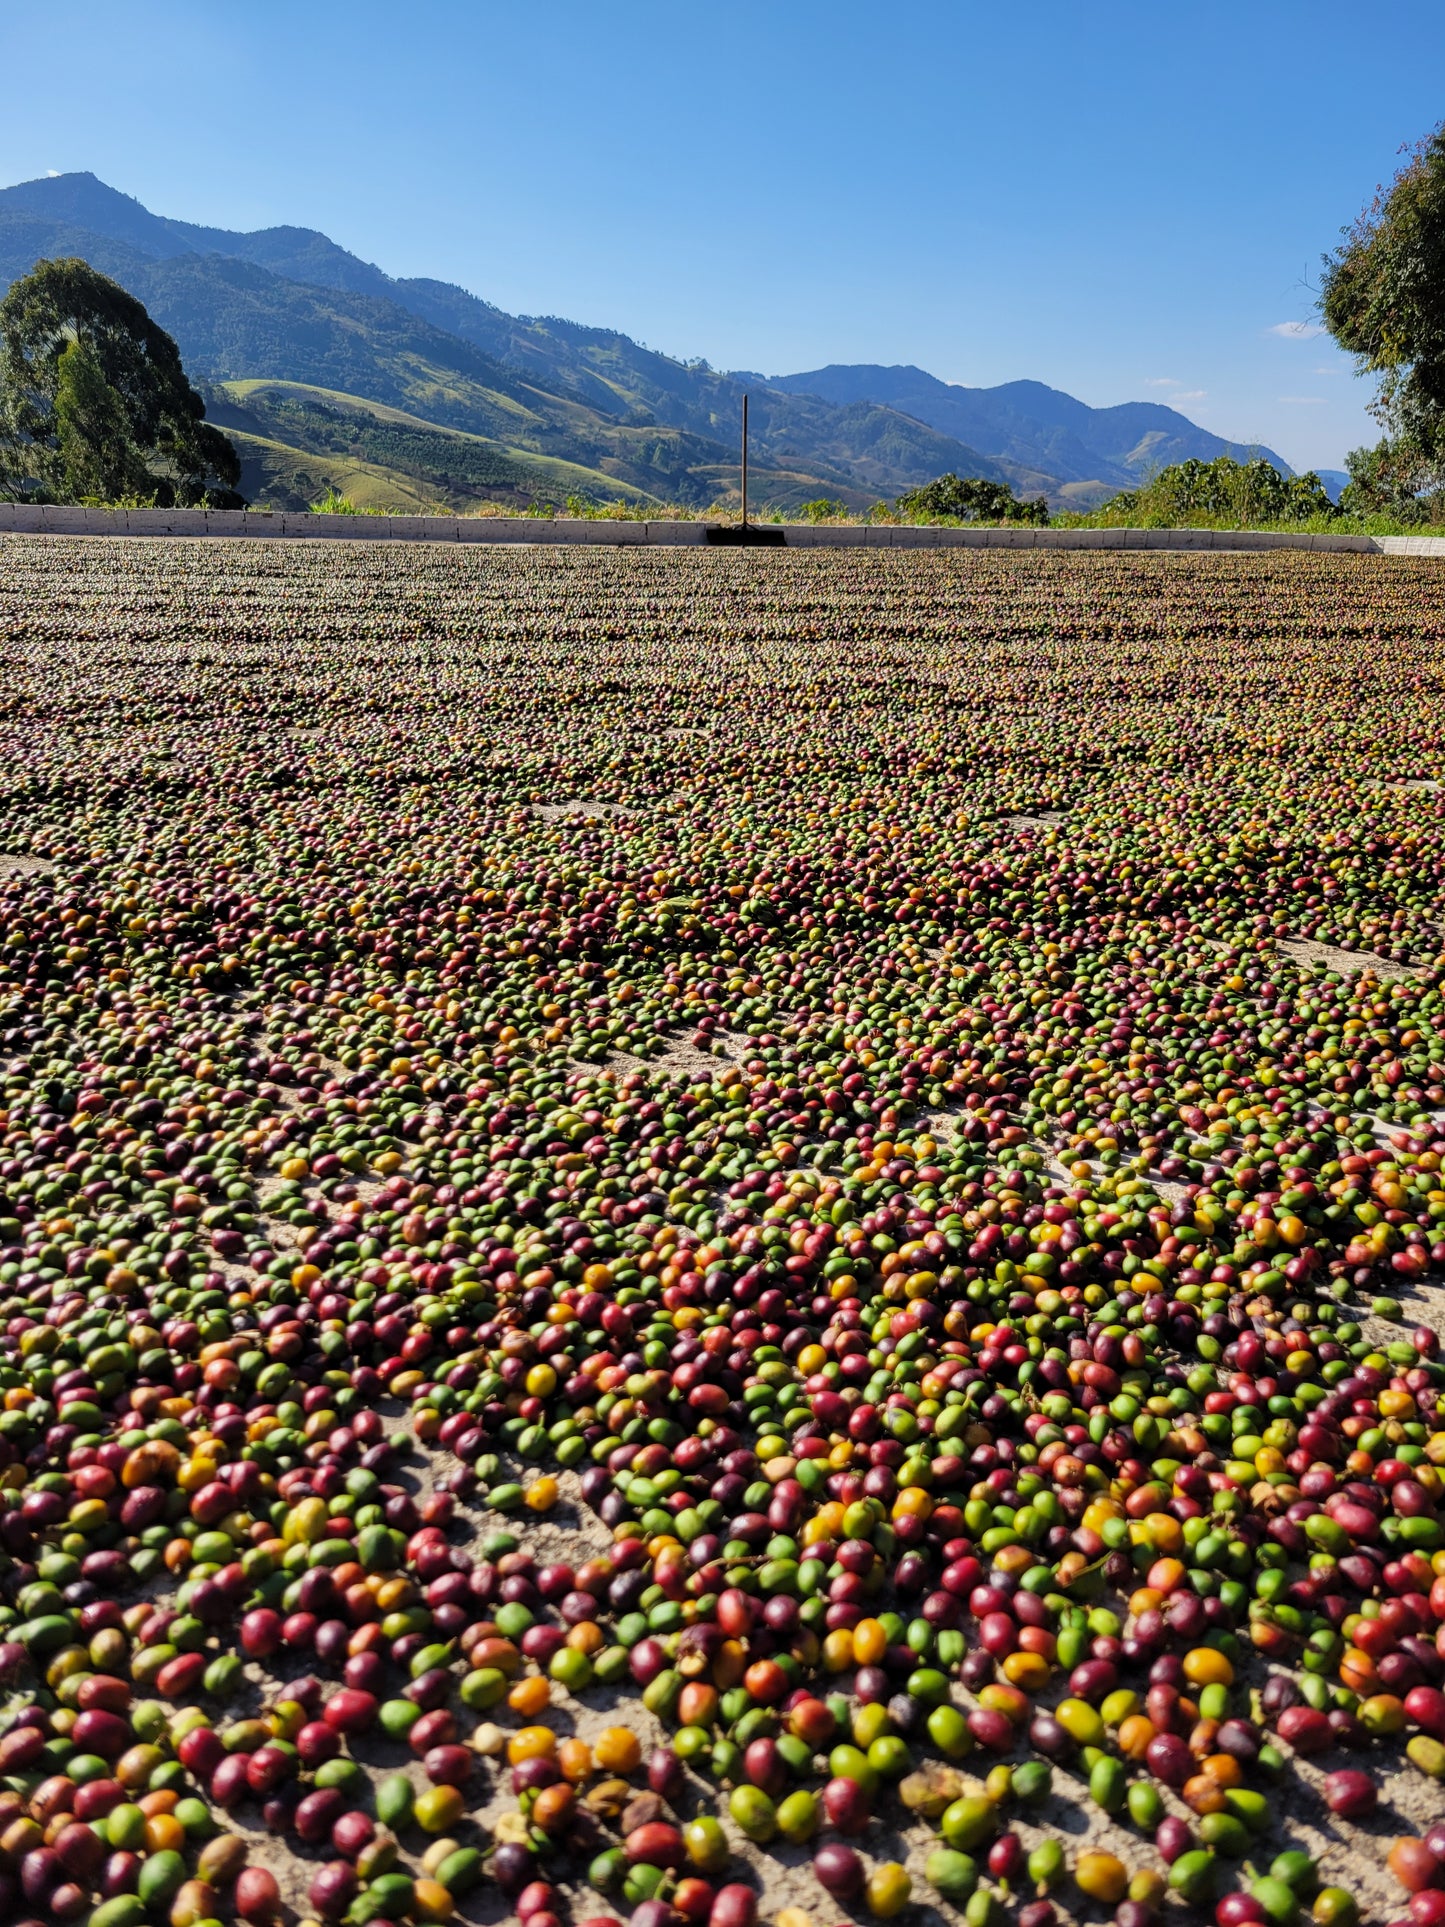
(1308, 525)
(834, 515)
(333, 504)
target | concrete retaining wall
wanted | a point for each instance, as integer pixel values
(16, 519)
(1410, 544)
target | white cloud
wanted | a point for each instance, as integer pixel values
(52, 173)
(1302, 401)
(1296, 330)
(1190, 394)
(1160, 381)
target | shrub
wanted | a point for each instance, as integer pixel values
(954, 498)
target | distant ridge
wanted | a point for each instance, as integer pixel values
(328, 372)
(1025, 420)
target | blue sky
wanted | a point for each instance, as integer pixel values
(1127, 203)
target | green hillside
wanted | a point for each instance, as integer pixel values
(325, 432)
(296, 441)
(276, 476)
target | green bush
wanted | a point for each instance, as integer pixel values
(1222, 494)
(970, 499)
(1396, 479)
(1381, 499)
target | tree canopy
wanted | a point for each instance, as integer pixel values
(1225, 490)
(1392, 478)
(970, 499)
(94, 401)
(1383, 300)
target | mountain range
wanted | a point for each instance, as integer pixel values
(329, 373)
